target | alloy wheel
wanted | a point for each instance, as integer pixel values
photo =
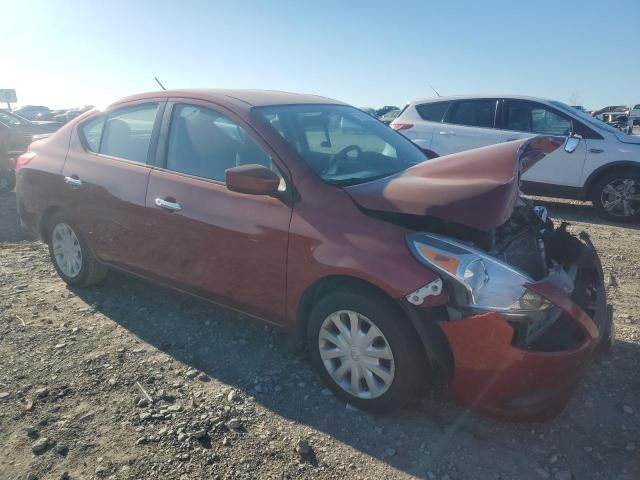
(621, 197)
(66, 250)
(356, 354)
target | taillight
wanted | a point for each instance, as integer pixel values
(401, 126)
(23, 159)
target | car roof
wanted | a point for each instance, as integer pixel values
(239, 98)
(477, 97)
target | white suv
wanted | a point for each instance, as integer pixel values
(605, 167)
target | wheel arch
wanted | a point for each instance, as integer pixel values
(46, 217)
(434, 344)
(605, 169)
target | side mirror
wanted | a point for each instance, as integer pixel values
(571, 144)
(252, 179)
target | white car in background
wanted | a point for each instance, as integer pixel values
(604, 168)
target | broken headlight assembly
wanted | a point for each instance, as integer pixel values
(478, 282)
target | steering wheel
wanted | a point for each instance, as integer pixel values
(342, 154)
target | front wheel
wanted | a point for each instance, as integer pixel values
(70, 255)
(616, 196)
(365, 351)
(7, 180)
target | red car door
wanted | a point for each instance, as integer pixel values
(222, 245)
(106, 174)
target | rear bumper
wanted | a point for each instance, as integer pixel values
(497, 379)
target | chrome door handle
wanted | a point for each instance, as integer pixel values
(173, 206)
(76, 182)
(447, 133)
(596, 150)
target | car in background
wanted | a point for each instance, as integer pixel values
(390, 116)
(34, 112)
(634, 116)
(387, 108)
(604, 168)
(606, 114)
(16, 134)
(67, 115)
(395, 271)
(579, 107)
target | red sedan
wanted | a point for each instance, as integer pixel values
(313, 216)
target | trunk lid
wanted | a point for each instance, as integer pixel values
(476, 188)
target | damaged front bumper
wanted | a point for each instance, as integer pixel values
(498, 378)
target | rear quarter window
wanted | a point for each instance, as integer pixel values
(91, 133)
(433, 112)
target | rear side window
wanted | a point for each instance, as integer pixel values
(91, 133)
(433, 112)
(525, 116)
(473, 113)
(127, 132)
(204, 143)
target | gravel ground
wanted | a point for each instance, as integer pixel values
(129, 381)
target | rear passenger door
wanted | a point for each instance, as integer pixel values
(468, 124)
(226, 246)
(526, 118)
(105, 175)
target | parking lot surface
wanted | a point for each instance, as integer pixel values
(128, 380)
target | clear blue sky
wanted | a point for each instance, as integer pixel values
(369, 53)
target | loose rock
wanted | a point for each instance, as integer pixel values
(41, 446)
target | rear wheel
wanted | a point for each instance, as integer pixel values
(70, 255)
(616, 196)
(7, 180)
(365, 351)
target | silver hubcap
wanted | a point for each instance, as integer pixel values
(66, 250)
(356, 354)
(621, 198)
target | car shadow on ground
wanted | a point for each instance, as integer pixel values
(241, 353)
(10, 230)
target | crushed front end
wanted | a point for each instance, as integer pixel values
(526, 311)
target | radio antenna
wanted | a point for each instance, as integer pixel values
(429, 85)
(162, 86)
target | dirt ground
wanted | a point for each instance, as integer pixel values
(232, 399)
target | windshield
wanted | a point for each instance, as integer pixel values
(585, 117)
(342, 144)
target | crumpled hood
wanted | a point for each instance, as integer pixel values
(476, 188)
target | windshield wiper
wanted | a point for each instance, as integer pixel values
(344, 182)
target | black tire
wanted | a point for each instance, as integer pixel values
(7, 180)
(598, 191)
(411, 367)
(91, 271)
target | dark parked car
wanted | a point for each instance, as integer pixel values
(396, 271)
(16, 133)
(390, 116)
(34, 112)
(387, 108)
(65, 116)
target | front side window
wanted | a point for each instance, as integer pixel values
(473, 113)
(434, 111)
(342, 144)
(524, 116)
(127, 132)
(204, 143)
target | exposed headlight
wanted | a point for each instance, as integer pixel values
(477, 281)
